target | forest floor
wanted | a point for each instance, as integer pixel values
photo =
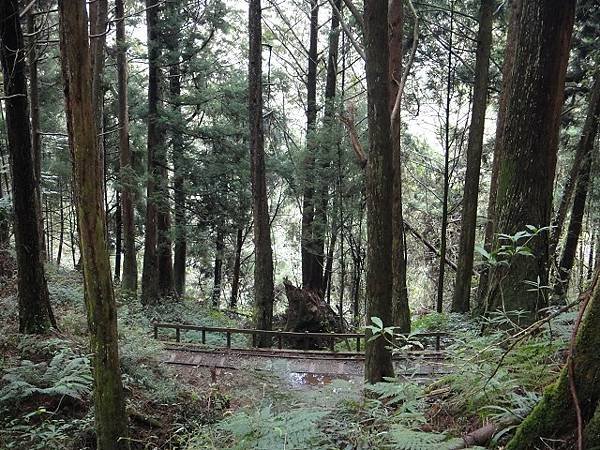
(233, 402)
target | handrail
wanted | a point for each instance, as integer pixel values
(331, 337)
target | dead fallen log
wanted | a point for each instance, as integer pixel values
(308, 312)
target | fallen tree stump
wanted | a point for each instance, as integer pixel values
(308, 312)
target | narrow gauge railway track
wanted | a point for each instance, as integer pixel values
(413, 363)
(297, 354)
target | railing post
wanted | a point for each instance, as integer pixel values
(332, 342)
(358, 344)
(279, 340)
(204, 336)
(155, 331)
(229, 339)
(437, 343)
(253, 340)
(177, 335)
(306, 340)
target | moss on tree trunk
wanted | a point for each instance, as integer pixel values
(263, 260)
(554, 416)
(529, 144)
(109, 403)
(378, 359)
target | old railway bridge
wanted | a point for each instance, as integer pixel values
(301, 354)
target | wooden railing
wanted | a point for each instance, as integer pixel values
(279, 335)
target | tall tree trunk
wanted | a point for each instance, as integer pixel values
(178, 158)
(529, 143)
(166, 281)
(72, 224)
(118, 237)
(590, 264)
(2, 160)
(5, 218)
(597, 257)
(312, 272)
(50, 229)
(400, 308)
(327, 278)
(235, 283)
(263, 260)
(218, 269)
(329, 140)
(61, 235)
(4, 221)
(109, 401)
(34, 100)
(584, 149)
(466, 246)
(35, 312)
(516, 9)
(555, 414)
(98, 21)
(447, 144)
(150, 273)
(567, 259)
(126, 171)
(378, 358)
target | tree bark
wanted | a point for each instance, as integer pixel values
(400, 307)
(4, 221)
(129, 282)
(466, 246)
(378, 359)
(263, 260)
(179, 187)
(61, 232)
(235, 283)
(446, 186)
(529, 143)
(98, 20)
(327, 275)
(150, 273)
(590, 265)
(34, 100)
(584, 149)
(567, 259)
(218, 268)
(328, 140)
(35, 312)
(166, 280)
(178, 147)
(516, 8)
(109, 401)
(554, 416)
(312, 271)
(118, 237)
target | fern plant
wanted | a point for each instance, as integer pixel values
(296, 429)
(67, 374)
(406, 439)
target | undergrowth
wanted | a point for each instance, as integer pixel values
(45, 387)
(46, 382)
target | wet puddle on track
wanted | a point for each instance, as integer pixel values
(302, 379)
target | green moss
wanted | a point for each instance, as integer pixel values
(551, 416)
(592, 431)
